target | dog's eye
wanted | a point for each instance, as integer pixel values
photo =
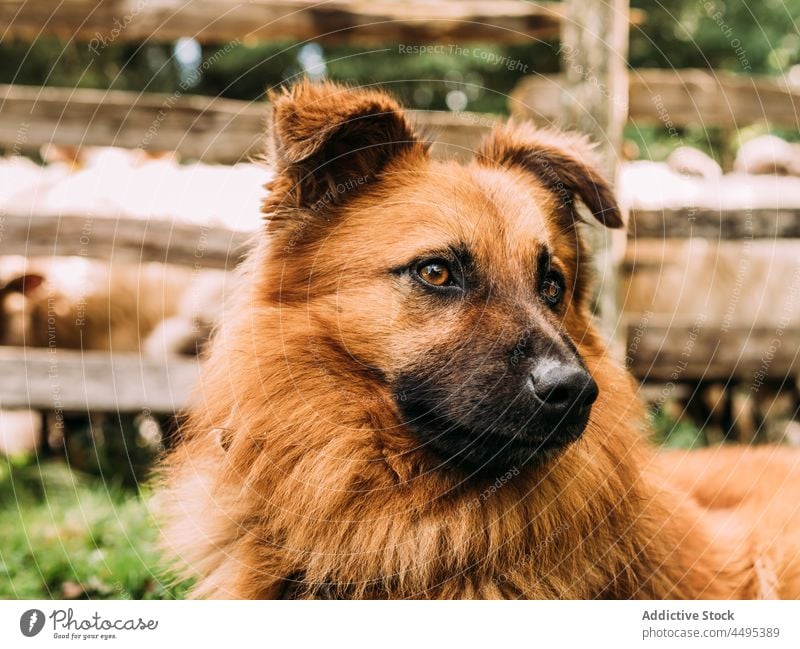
(552, 289)
(435, 273)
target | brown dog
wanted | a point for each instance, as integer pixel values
(409, 399)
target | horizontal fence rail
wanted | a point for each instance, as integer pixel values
(676, 98)
(80, 381)
(714, 224)
(216, 21)
(675, 351)
(123, 239)
(203, 128)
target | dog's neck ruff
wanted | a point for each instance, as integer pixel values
(317, 495)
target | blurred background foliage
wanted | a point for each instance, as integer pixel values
(703, 34)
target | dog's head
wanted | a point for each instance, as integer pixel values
(462, 289)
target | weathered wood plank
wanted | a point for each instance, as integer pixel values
(593, 57)
(204, 128)
(712, 224)
(676, 98)
(122, 239)
(700, 350)
(217, 21)
(711, 98)
(74, 381)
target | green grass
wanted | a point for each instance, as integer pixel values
(670, 433)
(66, 535)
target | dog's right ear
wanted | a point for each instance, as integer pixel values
(563, 162)
(330, 140)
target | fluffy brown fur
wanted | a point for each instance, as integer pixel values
(299, 476)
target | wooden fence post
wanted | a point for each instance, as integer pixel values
(594, 52)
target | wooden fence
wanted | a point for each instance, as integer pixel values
(227, 131)
(219, 130)
(66, 380)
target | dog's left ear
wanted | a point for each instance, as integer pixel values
(564, 162)
(330, 140)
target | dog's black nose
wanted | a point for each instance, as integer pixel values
(562, 386)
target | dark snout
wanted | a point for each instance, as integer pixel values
(563, 394)
(562, 388)
(519, 414)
